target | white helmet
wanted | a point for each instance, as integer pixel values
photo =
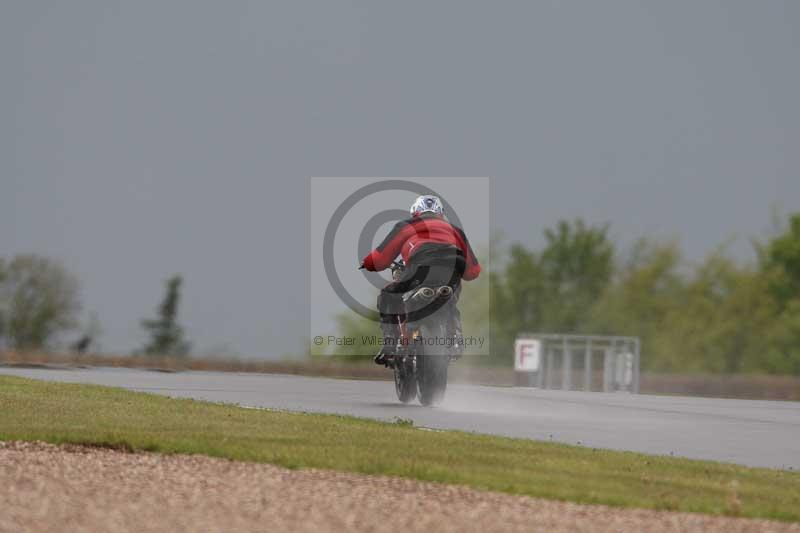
(427, 203)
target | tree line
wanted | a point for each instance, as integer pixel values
(717, 316)
(40, 310)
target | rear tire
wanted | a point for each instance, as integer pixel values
(405, 383)
(432, 362)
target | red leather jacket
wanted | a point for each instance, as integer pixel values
(407, 235)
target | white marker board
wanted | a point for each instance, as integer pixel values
(527, 354)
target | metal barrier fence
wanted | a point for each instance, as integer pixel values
(557, 361)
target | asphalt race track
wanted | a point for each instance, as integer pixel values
(754, 433)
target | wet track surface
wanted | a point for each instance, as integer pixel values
(754, 433)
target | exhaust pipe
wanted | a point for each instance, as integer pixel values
(444, 291)
(425, 292)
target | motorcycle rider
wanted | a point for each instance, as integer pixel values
(432, 249)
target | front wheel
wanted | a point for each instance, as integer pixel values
(432, 361)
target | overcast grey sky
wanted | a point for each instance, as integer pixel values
(144, 138)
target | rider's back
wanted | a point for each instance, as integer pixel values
(408, 236)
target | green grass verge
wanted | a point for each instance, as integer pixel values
(88, 414)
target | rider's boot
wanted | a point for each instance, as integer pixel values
(391, 335)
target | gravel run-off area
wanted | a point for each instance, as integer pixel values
(82, 489)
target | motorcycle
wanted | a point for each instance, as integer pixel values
(425, 348)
